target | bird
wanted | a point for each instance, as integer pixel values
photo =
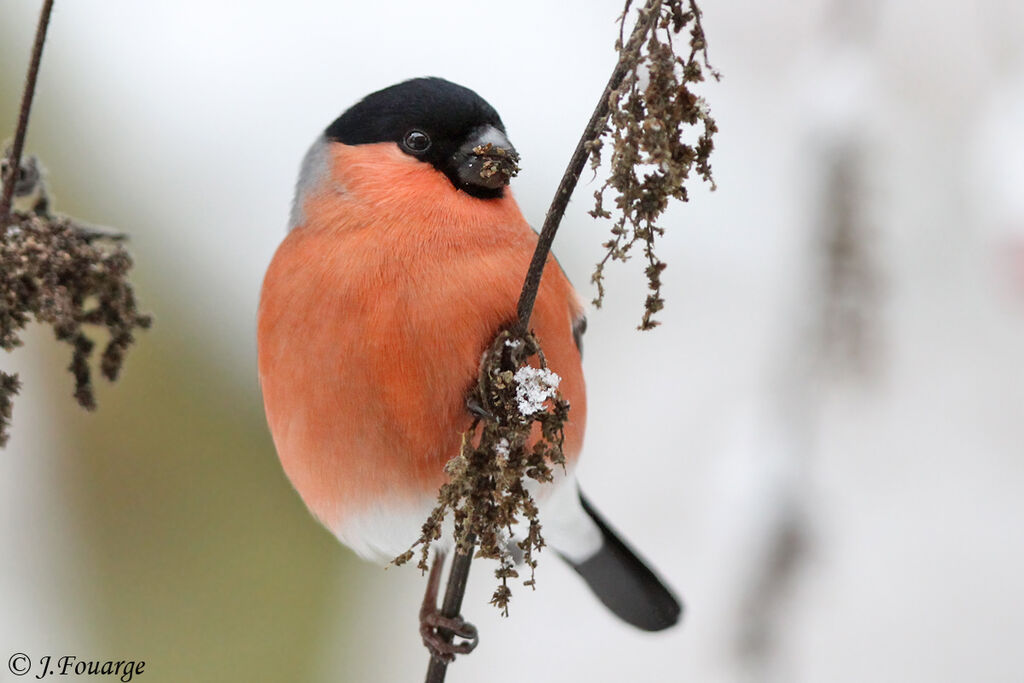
(403, 260)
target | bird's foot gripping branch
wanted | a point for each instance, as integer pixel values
(518, 435)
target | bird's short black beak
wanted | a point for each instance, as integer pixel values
(487, 159)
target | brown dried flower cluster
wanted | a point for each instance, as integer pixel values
(486, 492)
(651, 110)
(67, 277)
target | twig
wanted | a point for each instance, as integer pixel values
(14, 162)
(452, 606)
(459, 573)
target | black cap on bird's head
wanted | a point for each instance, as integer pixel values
(440, 123)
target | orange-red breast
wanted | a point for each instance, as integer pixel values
(401, 264)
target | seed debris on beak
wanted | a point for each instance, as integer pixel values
(497, 161)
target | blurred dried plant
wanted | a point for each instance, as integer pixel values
(69, 278)
(650, 160)
(852, 281)
(55, 270)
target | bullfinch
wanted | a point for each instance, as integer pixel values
(401, 264)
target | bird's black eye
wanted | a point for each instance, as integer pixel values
(416, 141)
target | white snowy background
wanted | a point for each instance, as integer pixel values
(184, 123)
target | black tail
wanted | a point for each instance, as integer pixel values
(625, 584)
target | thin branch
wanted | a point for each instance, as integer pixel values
(14, 162)
(452, 606)
(645, 23)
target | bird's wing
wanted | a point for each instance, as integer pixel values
(579, 326)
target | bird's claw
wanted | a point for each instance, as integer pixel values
(476, 409)
(431, 623)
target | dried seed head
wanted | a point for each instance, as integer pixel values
(485, 493)
(650, 113)
(70, 278)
